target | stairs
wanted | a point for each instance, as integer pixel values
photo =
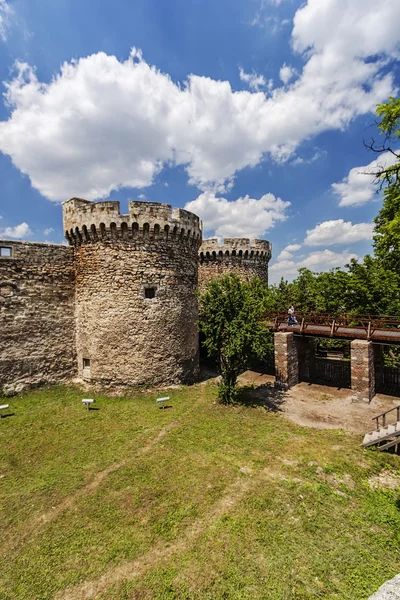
(389, 432)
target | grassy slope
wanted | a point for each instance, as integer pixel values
(199, 501)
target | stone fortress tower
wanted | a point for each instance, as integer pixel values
(135, 277)
(117, 306)
(234, 255)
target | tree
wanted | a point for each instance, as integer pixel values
(373, 289)
(386, 239)
(389, 127)
(230, 319)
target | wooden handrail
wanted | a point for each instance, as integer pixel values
(383, 415)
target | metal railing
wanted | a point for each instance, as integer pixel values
(334, 325)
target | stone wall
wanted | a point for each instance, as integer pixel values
(136, 277)
(235, 255)
(36, 315)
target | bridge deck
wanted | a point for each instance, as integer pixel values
(382, 335)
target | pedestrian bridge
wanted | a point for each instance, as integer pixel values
(295, 348)
(348, 326)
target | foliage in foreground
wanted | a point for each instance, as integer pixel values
(230, 314)
(230, 502)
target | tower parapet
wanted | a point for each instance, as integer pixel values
(247, 258)
(136, 310)
(87, 222)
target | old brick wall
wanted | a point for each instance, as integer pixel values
(362, 370)
(235, 255)
(286, 359)
(131, 339)
(36, 315)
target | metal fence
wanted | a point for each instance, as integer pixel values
(387, 380)
(327, 371)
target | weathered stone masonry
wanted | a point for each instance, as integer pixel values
(36, 314)
(135, 307)
(235, 255)
(118, 305)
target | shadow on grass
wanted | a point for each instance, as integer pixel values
(6, 416)
(264, 395)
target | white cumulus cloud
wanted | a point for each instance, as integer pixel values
(254, 80)
(244, 217)
(318, 261)
(287, 73)
(293, 247)
(101, 123)
(287, 253)
(18, 232)
(338, 231)
(48, 231)
(358, 187)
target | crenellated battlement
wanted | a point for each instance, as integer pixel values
(88, 222)
(242, 248)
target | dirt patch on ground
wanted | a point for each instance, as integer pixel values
(386, 480)
(313, 405)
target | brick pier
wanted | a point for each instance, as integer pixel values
(362, 371)
(286, 360)
(295, 355)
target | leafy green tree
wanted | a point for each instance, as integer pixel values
(387, 229)
(309, 292)
(230, 319)
(305, 291)
(373, 289)
(389, 127)
(387, 222)
(333, 291)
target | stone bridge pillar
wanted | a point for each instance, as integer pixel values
(286, 360)
(362, 371)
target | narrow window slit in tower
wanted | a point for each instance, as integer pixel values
(150, 292)
(5, 251)
(86, 363)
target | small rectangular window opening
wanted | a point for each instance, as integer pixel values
(5, 251)
(86, 363)
(150, 292)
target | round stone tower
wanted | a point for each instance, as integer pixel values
(135, 306)
(235, 255)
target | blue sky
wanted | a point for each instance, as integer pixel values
(250, 113)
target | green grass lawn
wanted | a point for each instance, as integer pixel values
(196, 501)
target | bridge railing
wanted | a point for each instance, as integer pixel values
(333, 325)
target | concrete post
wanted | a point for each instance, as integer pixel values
(286, 360)
(362, 371)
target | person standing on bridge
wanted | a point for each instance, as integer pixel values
(291, 319)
